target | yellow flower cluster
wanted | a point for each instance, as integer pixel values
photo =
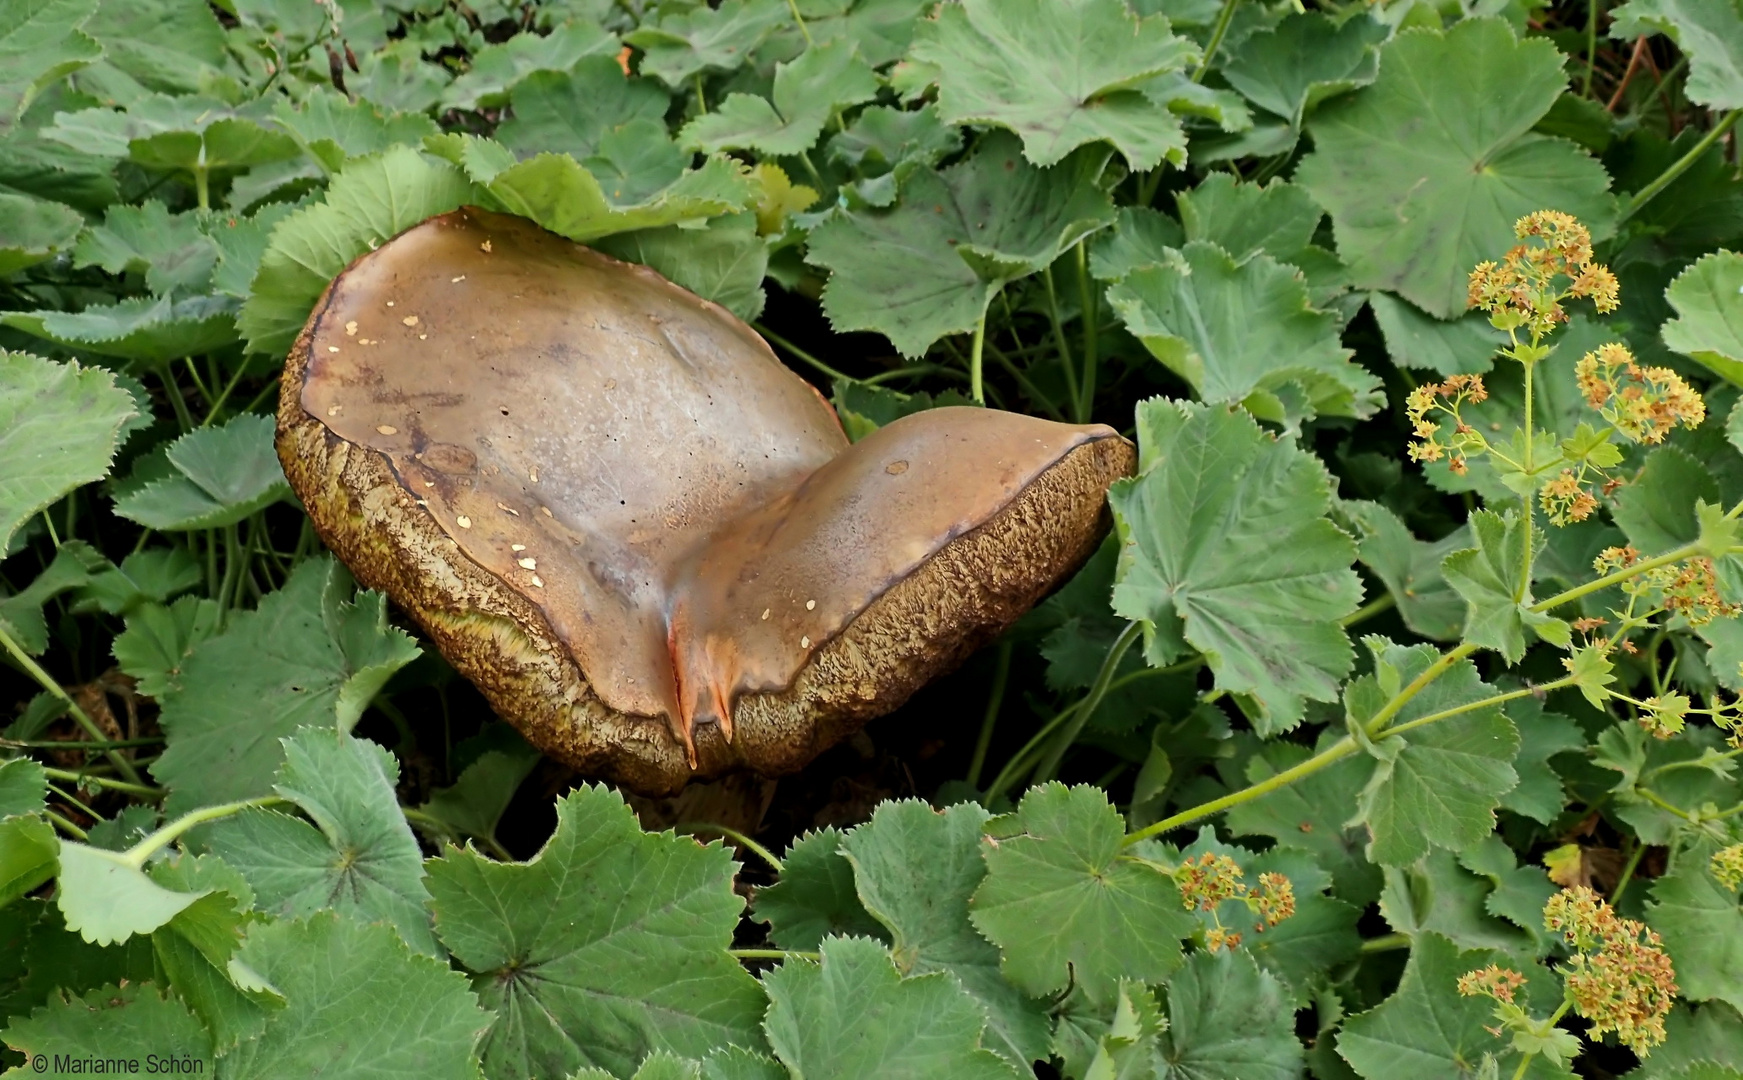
(1207, 881)
(1493, 981)
(1446, 397)
(1643, 403)
(1565, 500)
(1523, 290)
(1727, 866)
(1620, 977)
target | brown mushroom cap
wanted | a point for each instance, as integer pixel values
(643, 537)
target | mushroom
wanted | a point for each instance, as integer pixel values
(645, 539)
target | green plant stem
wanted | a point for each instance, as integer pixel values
(1591, 47)
(1383, 603)
(199, 383)
(144, 791)
(1147, 185)
(773, 954)
(1498, 699)
(66, 826)
(1386, 943)
(1049, 766)
(100, 744)
(912, 371)
(995, 698)
(224, 395)
(1627, 872)
(1065, 361)
(270, 387)
(1678, 167)
(1224, 17)
(162, 838)
(1524, 1063)
(35, 671)
(202, 183)
(1086, 300)
(1525, 503)
(736, 837)
(1691, 763)
(793, 6)
(440, 829)
(788, 346)
(67, 796)
(975, 388)
(173, 392)
(1659, 801)
(701, 98)
(1029, 387)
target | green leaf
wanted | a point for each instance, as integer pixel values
(196, 949)
(1701, 922)
(636, 962)
(1708, 298)
(1425, 171)
(885, 145)
(149, 576)
(32, 230)
(853, 1017)
(28, 855)
(334, 130)
(310, 656)
(1426, 1029)
(1710, 1033)
(241, 243)
(1415, 339)
(724, 262)
(1278, 219)
(684, 42)
(497, 69)
(1227, 1020)
(128, 1022)
(1519, 891)
(222, 475)
(1542, 735)
(1228, 548)
(1058, 75)
(1438, 785)
(1409, 568)
(1657, 510)
(475, 802)
(106, 898)
(40, 42)
(807, 92)
(23, 787)
(158, 640)
(1057, 864)
(1709, 32)
(21, 614)
(815, 896)
(358, 1003)
(931, 265)
(359, 858)
(1490, 577)
(149, 329)
(1140, 237)
(863, 408)
(1304, 60)
(172, 250)
(196, 134)
(562, 195)
(372, 200)
(171, 45)
(59, 428)
(924, 903)
(1225, 326)
(569, 112)
(1310, 815)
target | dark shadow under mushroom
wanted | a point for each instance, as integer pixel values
(644, 538)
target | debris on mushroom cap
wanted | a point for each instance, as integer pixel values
(722, 581)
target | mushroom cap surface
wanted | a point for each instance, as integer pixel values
(645, 539)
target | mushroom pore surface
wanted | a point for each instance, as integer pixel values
(644, 538)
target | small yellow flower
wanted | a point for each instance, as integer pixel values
(1728, 866)
(1493, 981)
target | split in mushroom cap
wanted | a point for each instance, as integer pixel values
(515, 435)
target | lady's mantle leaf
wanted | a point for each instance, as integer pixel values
(1498, 603)
(1064, 907)
(107, 899)
(611, 942)
(151, 329)
(1228, 549)
(333, 130)
(1702, 925)
(569, 112)
(362, 861)
(815, 897)
(1410, 568)
(930, 266)
(1426, 1029)
(310, 656)
(126, 1021)
(159, 639)
(171, 250)
(59, 425)
(373, 199)
(1305, 60)
(924, 902)
(1425, 171)
(724, 262)
(1243, 332)
(853, 1017)
(1709, 31)
(688, 41)
(1059, 75)
(40, 41)
(1437, 784)
(1708, 298)
(161, 131)
(222, 475)
(357, 1003)
(807, 92)
(23, 787)
(28, 855)
(32, 230)
(497, 69)
(1227, 1020)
